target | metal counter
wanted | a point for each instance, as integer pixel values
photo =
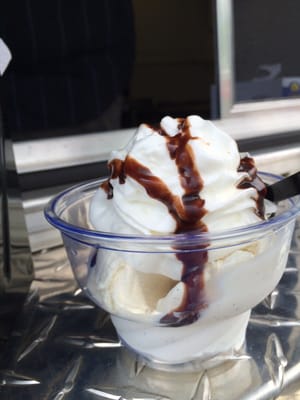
(64, 347)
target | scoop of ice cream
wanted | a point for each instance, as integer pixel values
(184, 175)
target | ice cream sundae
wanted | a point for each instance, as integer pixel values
(176, 244)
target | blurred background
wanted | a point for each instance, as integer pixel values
(97, 65)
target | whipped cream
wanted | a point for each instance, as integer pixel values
(182, 176)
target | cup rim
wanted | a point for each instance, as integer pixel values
(203, 237)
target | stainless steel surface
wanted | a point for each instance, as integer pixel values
(224, 20)
(35, 155)
(228, 104)
(16, 270)
(64, 347)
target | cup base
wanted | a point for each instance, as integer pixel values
(190, 348)
(224, 360)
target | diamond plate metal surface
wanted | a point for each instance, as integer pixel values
(65, 348)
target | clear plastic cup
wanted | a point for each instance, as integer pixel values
(179, 301)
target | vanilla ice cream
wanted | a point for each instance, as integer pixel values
(183, 177)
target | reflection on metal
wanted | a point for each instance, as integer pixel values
(91, 342)
(67, 380)
(15, 256)
(225, 49)
(225, 55)
(10, 378)
(270, 300)
(39, 336)
(126, 393)
(275, 360)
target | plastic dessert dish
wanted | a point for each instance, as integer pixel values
(178, 243)
(179, 301)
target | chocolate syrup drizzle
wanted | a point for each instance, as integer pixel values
(247, 164)
(187, 210)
